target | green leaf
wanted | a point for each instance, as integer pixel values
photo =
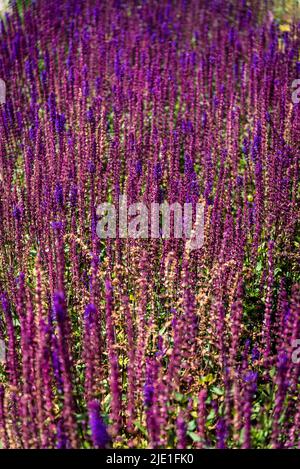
(217, 391)
(191, 425)
(194, 436)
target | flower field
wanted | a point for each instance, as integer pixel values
(142, 342)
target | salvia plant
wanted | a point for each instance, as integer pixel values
(144, 343)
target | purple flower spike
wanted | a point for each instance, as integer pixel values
(100, 436)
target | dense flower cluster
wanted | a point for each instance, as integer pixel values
(135, 342)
